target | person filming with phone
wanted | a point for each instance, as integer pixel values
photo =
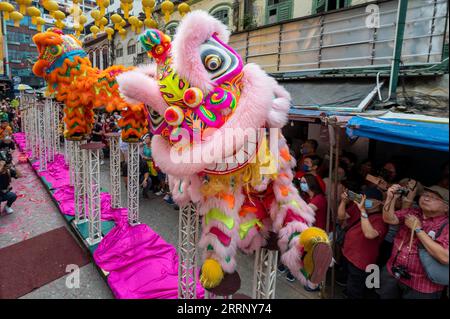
(364, 233)
(418, 266)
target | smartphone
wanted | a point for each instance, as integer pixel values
(354, 196)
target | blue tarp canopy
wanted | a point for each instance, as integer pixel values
(425, 134)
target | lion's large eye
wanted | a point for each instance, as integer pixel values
(55, 50)
(212, 62)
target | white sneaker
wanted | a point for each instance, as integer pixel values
(9, 210)
(159, 193)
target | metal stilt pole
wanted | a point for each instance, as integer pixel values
(114, 169)
(265, 274)
(133, 183)
(187, 251)
(93, 192)
(66, 152)
(42, 138)
(79, 184)
(55, 108)
(70, 150)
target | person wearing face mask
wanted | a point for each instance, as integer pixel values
(311, 165)
(309, 148)
(365, 232)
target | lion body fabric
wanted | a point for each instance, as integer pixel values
(81, 87)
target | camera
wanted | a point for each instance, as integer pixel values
(402, 191)
(401, 272)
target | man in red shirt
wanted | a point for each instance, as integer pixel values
(417, 226)
(364, 235)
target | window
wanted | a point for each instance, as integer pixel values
(278, 10)
(222, 14)
(171, 28)
(119, 52)
(131, 49)
(105, 58)
(320, 6)
(97, 59)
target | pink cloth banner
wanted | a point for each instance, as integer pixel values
(141, 264)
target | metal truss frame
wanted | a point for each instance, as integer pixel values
(133, 183)
(188, 233)
(265, 274)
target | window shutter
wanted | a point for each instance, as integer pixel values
(284, 11)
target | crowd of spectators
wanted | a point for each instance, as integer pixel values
(384, 219)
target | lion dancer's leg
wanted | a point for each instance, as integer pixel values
(304, 250)
(220, 234)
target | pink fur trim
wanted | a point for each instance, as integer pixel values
(285, 233)
(278, 116)
(138, 87)
(195, 28)
(292, 260)
(148, 69)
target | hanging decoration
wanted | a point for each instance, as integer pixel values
(94, 30)
(133, 21)
(39, 23)
(167, 8)
(34, 13)
(95, 14)
(183, 8)
(50, 5)
(7, 8)
(116, 19)
(150, 23)
(16, 17)
(59, 16)
(126, 6)
(23, 4)
(110, 32)
(148, 6)
(103, 22)
(102, 4)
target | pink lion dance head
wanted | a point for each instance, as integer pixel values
(202, 98)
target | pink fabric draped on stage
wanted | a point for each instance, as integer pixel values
(140, 263)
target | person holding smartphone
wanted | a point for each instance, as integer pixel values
(365, 231)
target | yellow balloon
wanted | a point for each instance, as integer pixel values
(109, 31)
(50, 5)
(167, 8)
(83, 19)
(6, 8)
(95, 14)
(58, 15)
(16, 16)
(183, 8)
(115, 18)
(150, 23)
(133, 20)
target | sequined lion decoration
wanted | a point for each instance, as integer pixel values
(212, 118)
(68, 72)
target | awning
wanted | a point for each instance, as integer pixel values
(418, 131)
